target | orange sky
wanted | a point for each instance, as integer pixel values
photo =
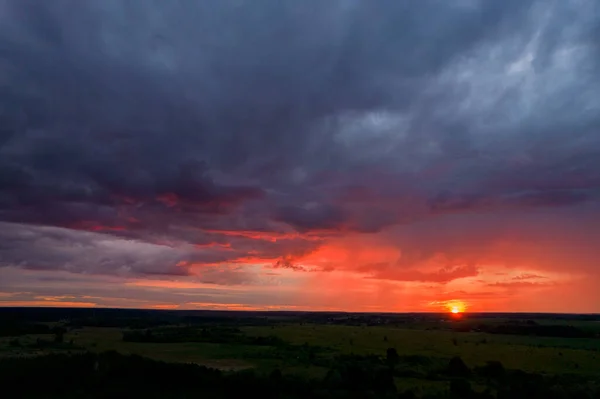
(348, 272)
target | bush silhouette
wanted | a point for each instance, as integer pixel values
(493, 369)
(391, 358)
(458, 368)
(460, 389)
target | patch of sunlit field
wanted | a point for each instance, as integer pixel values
(221, 356)
(533, 354)
(227, 357)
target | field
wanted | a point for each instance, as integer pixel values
(538, 354)
(311, 345)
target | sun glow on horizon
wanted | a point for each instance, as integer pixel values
(456, 307)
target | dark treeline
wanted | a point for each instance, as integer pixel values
(113, 375)
(16, 328)
(132, 318)
(143, 318)
(216, 334)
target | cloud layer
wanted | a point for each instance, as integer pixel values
(423, 147)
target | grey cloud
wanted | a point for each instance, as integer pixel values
(46, 248)
(108, 291)
(52, 248)
(227, 276)
(446, 202)
(312, 216)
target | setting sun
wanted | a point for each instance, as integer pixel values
(456, 307)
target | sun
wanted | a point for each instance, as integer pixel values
(456, 307)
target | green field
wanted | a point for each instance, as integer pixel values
(99, 339)
(533, 354)
(311, 349)
(536, 354)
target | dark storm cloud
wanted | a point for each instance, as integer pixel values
(519, 200)
(312, 217)
(144, 119)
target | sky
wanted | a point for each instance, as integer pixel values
(372, 156)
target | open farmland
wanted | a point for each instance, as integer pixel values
(539, 354)
(418, 350)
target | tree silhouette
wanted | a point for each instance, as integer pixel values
(458, 368)
(460, 389)
(493, 370)
(59, 335)
(391, 358)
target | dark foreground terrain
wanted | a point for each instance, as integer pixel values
(109, 353)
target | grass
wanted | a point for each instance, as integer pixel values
(229, 357)
(420, 387)
(430, 349)
(533, 354)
